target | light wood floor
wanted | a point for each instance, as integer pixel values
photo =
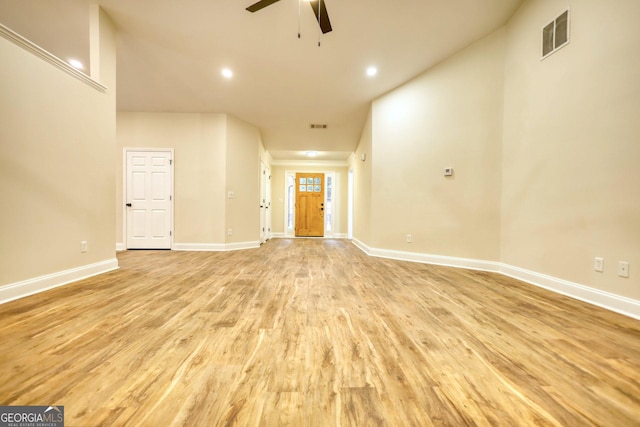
(315, 333)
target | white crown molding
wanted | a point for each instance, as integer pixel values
(17, 39)
(28, 287)
(616, 303)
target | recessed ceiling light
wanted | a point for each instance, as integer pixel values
(312, 154)
(76, 64)
(372, 71)
(226, 73)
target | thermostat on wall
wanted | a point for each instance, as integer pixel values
(448, 171)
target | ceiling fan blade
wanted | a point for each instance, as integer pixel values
(261, 5)
(320, 9)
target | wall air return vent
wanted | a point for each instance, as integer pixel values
(555, 34)
(318, 126)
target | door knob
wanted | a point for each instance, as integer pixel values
(128, 205)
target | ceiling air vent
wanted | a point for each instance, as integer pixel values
(317, 126)
(555, 34)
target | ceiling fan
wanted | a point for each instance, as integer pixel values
(318, 6)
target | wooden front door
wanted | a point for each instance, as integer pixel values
(310, 204)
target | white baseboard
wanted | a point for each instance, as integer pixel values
(284, 236)
(28, 287)
(448, 261)
(241, 245)
(619, 304)
(362, 246)
(215, 247)
(205, 247)
(120, 247)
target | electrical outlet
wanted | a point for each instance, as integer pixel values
(83, 246)
(598, 264)
(623, 269)
(230, 232)
(409, 238)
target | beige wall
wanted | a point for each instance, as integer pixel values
(278, 199)
(278, 196)
(199, 141)
(449, 116)
(571, 149)
(362, 185)
(243, 178)
(214, 154)
(57, 145)
(546, 153)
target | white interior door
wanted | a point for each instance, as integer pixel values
(149, 204)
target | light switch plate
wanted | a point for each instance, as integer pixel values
(598, 264)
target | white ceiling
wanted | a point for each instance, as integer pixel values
(170, 53)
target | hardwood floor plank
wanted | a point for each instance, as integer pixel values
(312, 332)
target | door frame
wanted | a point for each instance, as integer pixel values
(291, 232)
(124, 189)
(263, 202)
(350, 202)
(269, 208)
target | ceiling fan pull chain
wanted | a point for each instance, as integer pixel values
(299, 18)
(319, 21)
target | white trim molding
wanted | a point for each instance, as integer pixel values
(448, 261)
(199, 247)
(36, 285)
(125, 178)
(362, 246)
(284, 236)
(241, 245)
(33, 48)
(120, 247)
(215, 247)
(616, 303)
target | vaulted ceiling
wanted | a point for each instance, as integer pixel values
(171, 53)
